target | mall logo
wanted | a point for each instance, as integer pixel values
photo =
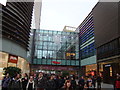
(13, 58)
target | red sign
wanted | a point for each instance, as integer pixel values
(92, 73)
(55, 62)
(13, 58)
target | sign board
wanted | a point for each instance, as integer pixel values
(13, 59)
(55, 62)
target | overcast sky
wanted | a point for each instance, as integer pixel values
(58, 13)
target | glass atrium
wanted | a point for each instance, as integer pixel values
(56, 48)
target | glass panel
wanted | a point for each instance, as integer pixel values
(55, 45)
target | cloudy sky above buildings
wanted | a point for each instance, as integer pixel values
(58, 13)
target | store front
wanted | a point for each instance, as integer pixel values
(7, 60)
(109, 69)
(91, 70)
(71, 70)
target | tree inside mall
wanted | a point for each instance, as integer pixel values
(11, 71)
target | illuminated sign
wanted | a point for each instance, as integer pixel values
(13, 58)
(69, 54)
(55, 62)
(108, 65)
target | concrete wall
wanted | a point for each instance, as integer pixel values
(105, 16)
(11, 47)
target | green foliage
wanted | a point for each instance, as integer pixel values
(11, 70)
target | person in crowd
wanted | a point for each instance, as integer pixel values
(64, 79)
(81, 83)
(67, 77)
(94, 81)
(60, 82)
(51, 85)
(35, 79)
(24, 81)
(41, 82)
(15, 83)
(56, 80)
(30, 84)
(5, 82)
(117, 83)
(89, 83)
(73, 83)
(67, 85)
(99, 80)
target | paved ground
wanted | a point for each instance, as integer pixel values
(107, 86)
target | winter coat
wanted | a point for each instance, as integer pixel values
(51, 85)
(15, 84)
(99, 79)
(117, 83)
(81, 82)
(61, 83)
(89, 83)
(73, 83)
(5, 82)
(41, 82)
(24, 82)
(30, 85)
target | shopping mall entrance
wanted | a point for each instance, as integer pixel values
(52, 69)
(109, 72)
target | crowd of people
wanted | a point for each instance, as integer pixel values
(52, 82)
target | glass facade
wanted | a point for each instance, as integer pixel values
(87, 43)
(56, 48)
(87, 46)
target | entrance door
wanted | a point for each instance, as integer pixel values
(106, 73)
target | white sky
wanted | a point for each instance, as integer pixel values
(3, 2)
(58, 13)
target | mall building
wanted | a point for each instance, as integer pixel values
(15, 23)
(55, 51)
(87, 46)
(107, 38)
(99, 36)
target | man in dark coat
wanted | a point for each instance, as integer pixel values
(81, 83)
(99, 80)
(73, 83)
(15, 83)
(51, 85)
(41, 82)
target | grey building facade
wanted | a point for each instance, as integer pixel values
(107, 38)
(15, 24)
